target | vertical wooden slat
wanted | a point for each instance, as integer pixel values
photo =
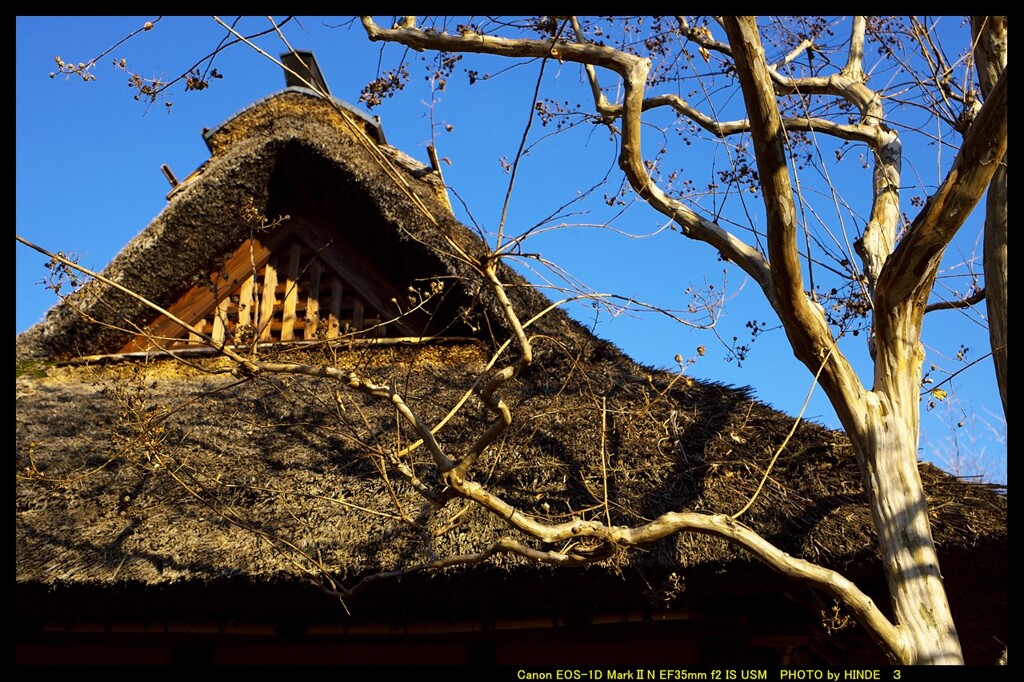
(245, 317)
(291, 293)
(194, 338)
(312, 301)
(302, 288)
(219, 317)
(334, 321)
(201, 300)
(269, 296)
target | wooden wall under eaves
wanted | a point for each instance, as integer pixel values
(296, 284)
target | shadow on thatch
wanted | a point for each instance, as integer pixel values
(294, 456)
(162, 478)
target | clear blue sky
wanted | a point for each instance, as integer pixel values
(88, 180)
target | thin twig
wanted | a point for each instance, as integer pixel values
(785, 442)
(604, 458)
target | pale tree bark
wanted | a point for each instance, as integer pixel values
(883, 422)
(990, 55)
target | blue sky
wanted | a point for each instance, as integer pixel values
(88, 180)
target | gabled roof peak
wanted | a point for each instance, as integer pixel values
(373, 124)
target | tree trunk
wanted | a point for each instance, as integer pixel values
(989, 34)
(883, 424)
(887, 447)
(995, 265)
(885, 438)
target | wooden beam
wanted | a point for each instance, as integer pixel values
(197, 303)
(365, 278)
(312, 301)
(291, 292)
(203, 351)
(268, 296)
(245, 301)
(219, 318)
(357, 314)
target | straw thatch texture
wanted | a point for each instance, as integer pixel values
(158, 473)
(300, 457)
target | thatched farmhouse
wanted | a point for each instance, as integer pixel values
(171, 507)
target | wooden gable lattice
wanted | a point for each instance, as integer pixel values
(295, 285)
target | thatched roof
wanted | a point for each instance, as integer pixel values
(392, 207)
(156, 474)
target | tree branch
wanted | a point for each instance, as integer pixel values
(911, 268)
(855, 133)
(633, 70)
(501, 546)
(809, 124)
(805, 324)
(583, 53)
(718, 525)
(854, 68)
(974, 298)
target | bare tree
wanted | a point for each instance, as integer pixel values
(899, 262)
(802, 93)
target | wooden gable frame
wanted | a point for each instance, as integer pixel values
(298, 283)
